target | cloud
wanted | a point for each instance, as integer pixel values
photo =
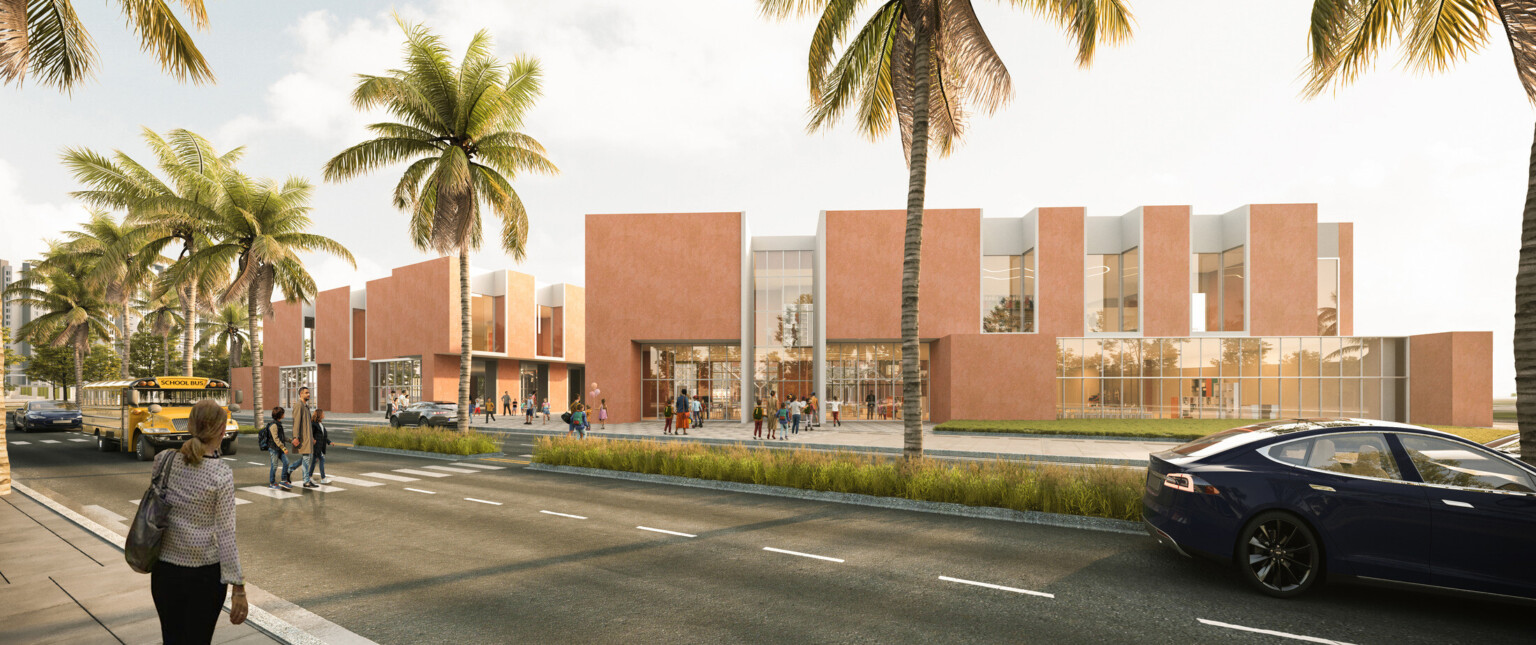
(28, 225)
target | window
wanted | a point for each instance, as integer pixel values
(1360, 454)
(550, 331)
(785, 311)
(391, 378)
(484, 327)
(1327, 296)
(1111, 291)
(1002, 293)
(1449, 463)
(866, 377)
(711, 372)
(1218, 291)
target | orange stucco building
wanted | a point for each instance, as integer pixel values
(1157, 313)
(355, 347)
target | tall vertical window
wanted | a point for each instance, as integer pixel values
(785, 311)
(309, 340)
(1218, 290)
(482, 315)
(1030, 295)
(1328, 296)
(1111, 291)
(549, 334)
(1130, 290)
(1002, 293)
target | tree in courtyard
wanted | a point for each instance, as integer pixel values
(918, 65)
(459, 127)
(45, 38)
(1344, 40)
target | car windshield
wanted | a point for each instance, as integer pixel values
(50, 405)
(1229, 439)
(182, 397)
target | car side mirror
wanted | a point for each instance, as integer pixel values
(154, 408)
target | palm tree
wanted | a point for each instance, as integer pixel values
(1344, 40)
(262, 227)
(177, 211)
(115, 264)
(459, 129)
(47, 39)
(161, 316)
(74, 313)
(917, 64)
(224, 328)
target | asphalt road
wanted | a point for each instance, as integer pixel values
(547, 557)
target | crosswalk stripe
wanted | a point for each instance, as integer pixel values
(355, 482)
(239, 501)
(98, 513)
(79, 440)
(449, 469)
(229, 459)
(49, 441)
(270, 492)
(21, 443)
(393, 478)
(423, 473)
(484, 466)
(256, 463)
(324, 488)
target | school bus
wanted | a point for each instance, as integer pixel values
(147, 415)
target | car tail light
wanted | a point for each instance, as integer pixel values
(1189, 484)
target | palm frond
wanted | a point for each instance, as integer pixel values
(1445, 32)
(161, 34)
(13, 41)
(830, 32)
(59, 49)
(863, 69)
(968, 54)
(1365, 28)
(508, 207)
(1519, 19)
(376, 153)
(457, 213)
(407, 190)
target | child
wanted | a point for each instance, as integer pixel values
(667, 427)
(757, 421)
(602, 414)
(784, 421)
(546, 411)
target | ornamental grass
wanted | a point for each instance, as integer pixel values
(438, 440)
(1093, 491)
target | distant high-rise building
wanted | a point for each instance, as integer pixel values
(13, 315)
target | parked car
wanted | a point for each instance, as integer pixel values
(44, 415)
(1509, 445)
(437, 415)
(1292, 502)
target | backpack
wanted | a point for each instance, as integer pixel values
(263, 439)
(566, 417)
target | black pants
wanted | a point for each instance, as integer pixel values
(189, 601)
(506, 408)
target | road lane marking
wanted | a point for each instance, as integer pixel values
(229, 458)
(484, 466)
(135, 502)
(803, 555)
(423, 473)
(270, 492)
(48, 441)
(1270, 632)
(449, 469)
(257, 463)
(418, 490)
(78, 440)
(505, 461)
(482, 501)
(574, 517)
(647, 528)
(355, 482)
(528, 456)
(21, 443)
(324, 488)
(998, 587)
(239, 501)
(98, 513)
(393, 478)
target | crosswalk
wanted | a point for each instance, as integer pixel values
(363, 480)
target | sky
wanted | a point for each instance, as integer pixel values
(700, 105)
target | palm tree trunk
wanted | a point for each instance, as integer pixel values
(5, 456)
(917, 181)
(252, 317)
(465, 340)
(1525, 321)
(79, 370)
(189, 326)
(127, 338)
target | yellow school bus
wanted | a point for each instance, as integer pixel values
(147, 415)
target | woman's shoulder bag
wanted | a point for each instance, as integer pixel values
(142, 548)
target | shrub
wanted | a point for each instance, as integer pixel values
(1096, 491)
(439, 440)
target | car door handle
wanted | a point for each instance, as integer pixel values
(1326, 489)
(1452, 502)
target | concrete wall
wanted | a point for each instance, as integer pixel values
(863, 273)
(1451, 378)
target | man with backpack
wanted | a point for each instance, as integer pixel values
(273, 440)
(682, 412)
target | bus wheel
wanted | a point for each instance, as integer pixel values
(146, 452)
(230, 446)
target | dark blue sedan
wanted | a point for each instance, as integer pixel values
(1292, 502)
(46, 415)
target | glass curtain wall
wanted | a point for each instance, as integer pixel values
(1232, 378)
(785, 311)
(391, 377)
(710, 371)
(1111, 291)
(1008, 293)
(867, 378)
(1218, 287)
(290, 379)
(1328, 296)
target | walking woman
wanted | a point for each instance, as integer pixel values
(198, 557)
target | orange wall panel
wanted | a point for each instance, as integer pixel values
(520, 315)
(863, 273)
(418, 307)
(575, 324)
(1451, 379)
(995, 376)
(1165, 270)
(1347, 279)
(283, 334)
(333, 321)
(1060, 279)
(1282, 269)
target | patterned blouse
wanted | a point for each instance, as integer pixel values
(201, 526)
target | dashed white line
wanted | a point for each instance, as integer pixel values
(229, 458)
(256, 463)
(355, 482)
(21, 443)
(574, 517)
(423, 473)
(988, 585)
(418, 490)
(270, 492)
(79, 440)
(483, 466)
(48, 441)
(1270, 632)
(803, 555)
(449, 469)
(482, 501)
(528, 456)
(393, 478)
(98, 513)
(647, 528)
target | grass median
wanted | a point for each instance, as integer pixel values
(1092, 491)
(438, 440)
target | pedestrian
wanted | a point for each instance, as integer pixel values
(815, 411)
(528, 411)
(569, 418)
(389, 407)
(757, 420)
(833, 405)
(697, 408)
(579, 420)
(304, 437)
(405, 402)
(773, 416)
(869, 406)
(322, 439)
(198, 556)
(796, 410)
(602, 414)
(703, 407)
(277, 450)
(490, 409)
(506, 403)
(682, 412)
(783, 416)
(666, 428)
(546, 411)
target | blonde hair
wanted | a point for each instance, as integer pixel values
(206, 425)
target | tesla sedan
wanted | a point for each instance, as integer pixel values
(1292, 502)
(46, 415)
(437, 415)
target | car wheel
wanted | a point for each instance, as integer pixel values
(231, 446)
(1279, 555)
(145, 451)
(394, 422)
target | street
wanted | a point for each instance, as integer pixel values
(411, 550)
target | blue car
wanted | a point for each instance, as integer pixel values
(46, 415)
(1289, 503)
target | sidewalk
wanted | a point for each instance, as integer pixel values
(881, 436)
(61, 584)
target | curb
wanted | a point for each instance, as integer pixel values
(1074, 437)
(273, 627)
(897, 503)
(420, 453)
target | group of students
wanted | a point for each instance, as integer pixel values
(789, 413)
(580, 418)
(690, 412)
(307, 443)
